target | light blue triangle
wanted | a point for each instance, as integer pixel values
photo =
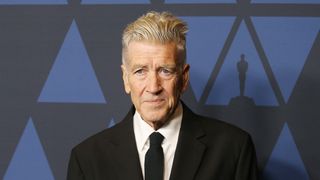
(285, 161)
(198, 1)
(72, 78)
(29, 161)
(205, 40)
(287, 42)
(31, 2)
(257, 85)
(288, 1)
(111, 123)
(115, 1)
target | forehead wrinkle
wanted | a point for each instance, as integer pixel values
(151, 55)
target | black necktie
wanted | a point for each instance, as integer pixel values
(153, 165)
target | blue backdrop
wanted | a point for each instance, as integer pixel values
(254, 64)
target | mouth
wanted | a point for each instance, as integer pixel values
(154, 101)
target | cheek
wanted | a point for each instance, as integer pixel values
(173, 90)
(137, 87)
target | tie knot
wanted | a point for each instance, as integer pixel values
(156, 139)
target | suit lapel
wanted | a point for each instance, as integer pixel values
(188, 155)
(126, 156)
(190, 149)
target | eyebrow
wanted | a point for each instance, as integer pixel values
(137, 66)
(169, 66)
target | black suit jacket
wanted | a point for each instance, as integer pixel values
(207, 149)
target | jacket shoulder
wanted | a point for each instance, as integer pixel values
(213, 126)
(101, 139)
(216, 126)
(216, 131)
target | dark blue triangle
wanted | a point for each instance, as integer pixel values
(257, 85)
(287, 43)
(35, 2)
(111, 123)
(285, 161)
(204, 46)
(198, 1)
(29, 160)
(287, 1)
(115, 2)
(72, 78)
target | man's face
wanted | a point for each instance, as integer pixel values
(153, 79)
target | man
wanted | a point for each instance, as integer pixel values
(182, 145)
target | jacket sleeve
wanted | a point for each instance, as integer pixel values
(247, 163)
(74, 169)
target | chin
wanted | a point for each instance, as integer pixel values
(154, 118)
(154, 114)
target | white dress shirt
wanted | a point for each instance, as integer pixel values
(170, 132)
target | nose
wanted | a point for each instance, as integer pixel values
(154, 83)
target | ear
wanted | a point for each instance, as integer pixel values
(125, 79)
(185, 77)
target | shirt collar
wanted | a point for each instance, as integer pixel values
(143, 130)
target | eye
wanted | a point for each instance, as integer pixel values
(165, 72)
(140, 72)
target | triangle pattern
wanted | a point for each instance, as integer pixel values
(29, 160)
(285, 161)
(198, 1)
(115, 2)
(257, 85)
(111, 123)
(287, 1)
(202, 53)
(72, 78)
(30, 2)
(287, 43)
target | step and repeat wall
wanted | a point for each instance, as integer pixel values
(255, 64)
